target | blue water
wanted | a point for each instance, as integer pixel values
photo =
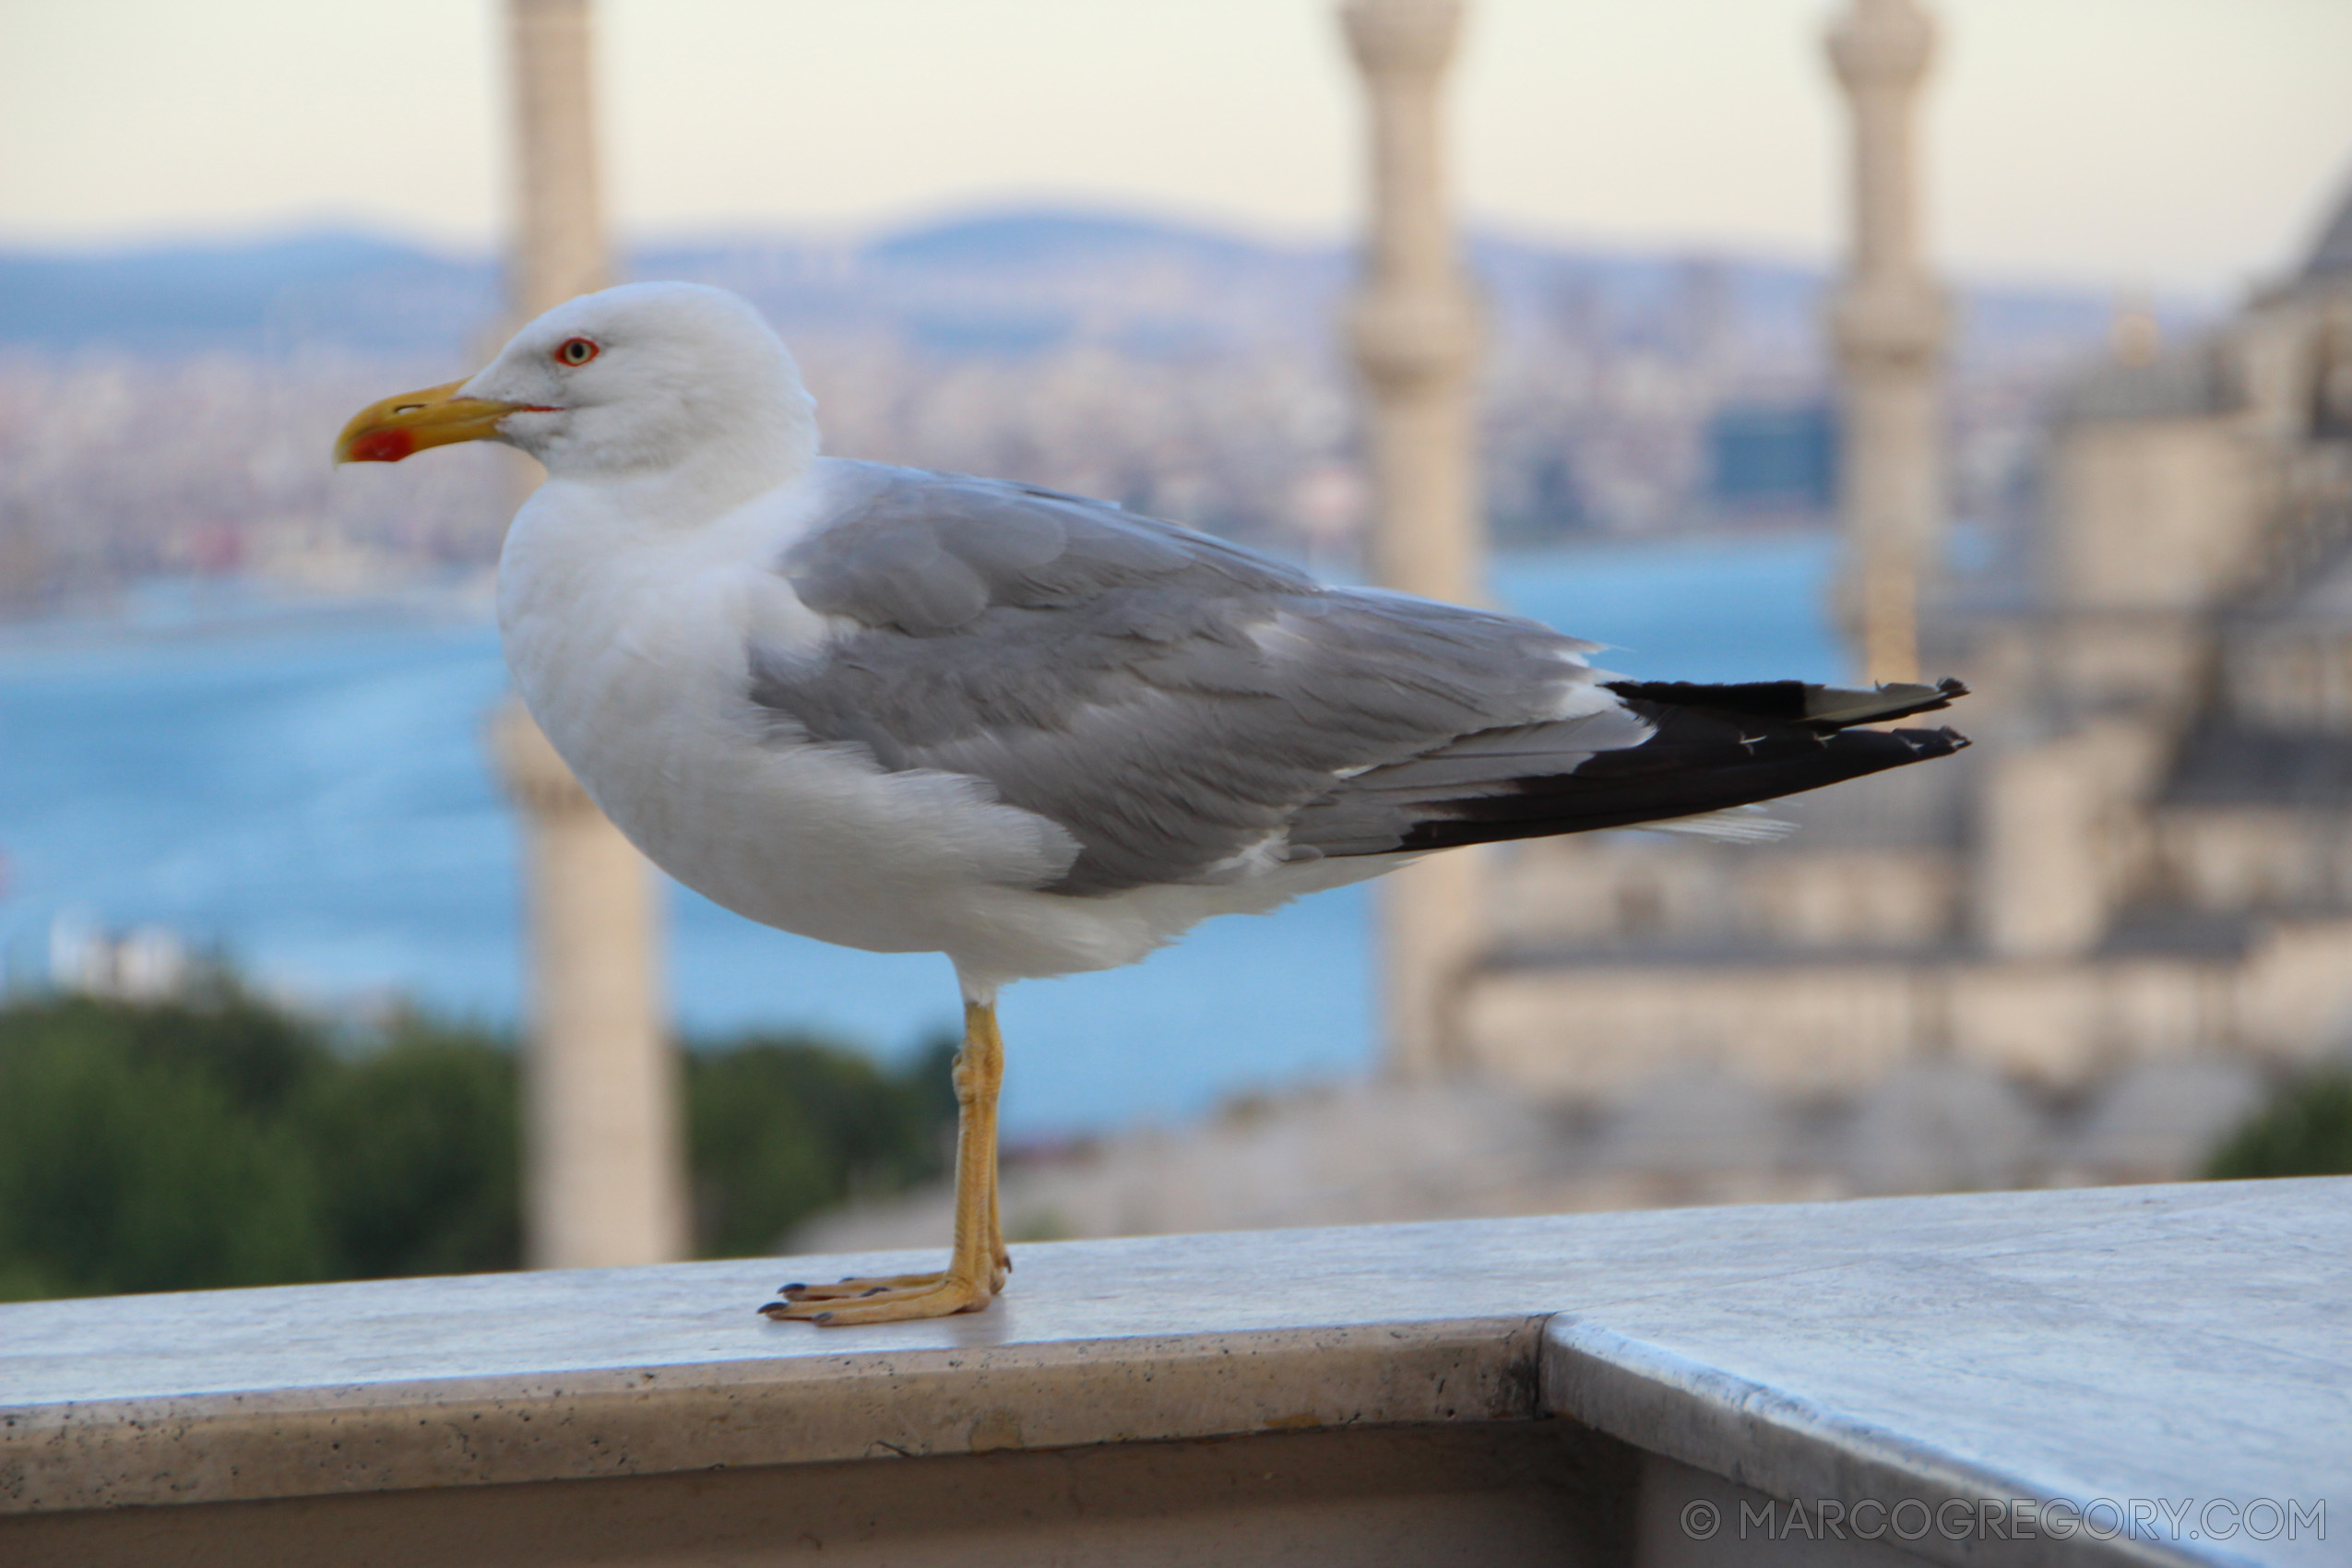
(301, 788)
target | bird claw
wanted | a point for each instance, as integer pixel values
(939, 1295)
(853, 1284)
(885, 1298)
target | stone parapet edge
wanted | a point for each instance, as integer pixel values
(1776, 1442)
(650, 1420)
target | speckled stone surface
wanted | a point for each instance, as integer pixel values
(2147, 1353)
(2137, 1342)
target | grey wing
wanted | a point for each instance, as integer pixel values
(1173, 701)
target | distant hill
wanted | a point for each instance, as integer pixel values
(1056, 241)
(268, 295)
(998, 283)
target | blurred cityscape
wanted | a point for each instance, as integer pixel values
(165, 410)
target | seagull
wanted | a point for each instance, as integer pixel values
(910, 711)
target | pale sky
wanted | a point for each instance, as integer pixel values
(2165, 144)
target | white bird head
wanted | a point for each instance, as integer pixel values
(647, 378)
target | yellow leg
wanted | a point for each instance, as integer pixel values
(978, 1262)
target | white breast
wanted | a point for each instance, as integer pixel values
(630, 644)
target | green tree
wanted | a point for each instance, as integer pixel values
(416, 1152)
(140, 1149)
(2306, 1130)
(783, 1128)
(222, 1141)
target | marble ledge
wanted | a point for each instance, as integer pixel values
(2122, 1343)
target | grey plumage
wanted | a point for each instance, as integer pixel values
(1169, 699)
(1175, 702)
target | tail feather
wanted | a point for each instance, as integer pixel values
(1677, 754)
(1732, 825)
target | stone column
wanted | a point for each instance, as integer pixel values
(559, 220)
(604, 1181)
(1415, 334)
(602, 1177)
(1888, 326)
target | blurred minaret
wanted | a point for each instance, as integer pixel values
(601, 1178)
(604, 1181)
(1888, 325)
(559, 230)
(1415, 333)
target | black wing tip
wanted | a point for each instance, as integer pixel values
(1546, 805)
(1824, 711)
(1926, 744)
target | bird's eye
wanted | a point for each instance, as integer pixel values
(576, 351)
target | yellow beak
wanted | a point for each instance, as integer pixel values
(393, 429)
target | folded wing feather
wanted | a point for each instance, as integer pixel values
(1175, 701)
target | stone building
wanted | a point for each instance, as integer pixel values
(2087, 939)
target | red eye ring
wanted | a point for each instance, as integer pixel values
(576, 352)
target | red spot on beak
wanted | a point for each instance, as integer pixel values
(382, 446)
